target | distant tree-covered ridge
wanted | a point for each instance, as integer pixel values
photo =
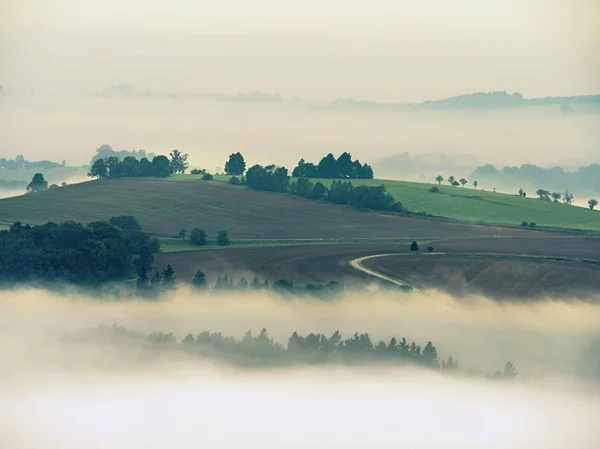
(21, 162)
(555, 178)
(262, 350)
(106, 151)
(329, 167)
(75, 253)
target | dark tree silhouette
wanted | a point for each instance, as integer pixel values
(592, 204)
(168, 278)
(439, 179)
(198, 237)
(37, 184)
(414, 247)
(236, 165)
(223, 238)
(179, 162)
(199, 280)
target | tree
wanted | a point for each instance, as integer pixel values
(304, 187)
(430, 356)
(168, 278)
(161, 167)
(455, 184)
(568, 197)
(199, 281)
(319, 191)
(37, 184)
(522, 193)
(179, 162)
(475, 184)
(236, 165)
(439, 179)
(463, 182)
(543, 194)
(592, 204)
(414, 247)
(327, 167)
(181, 234)
(198, 237)
(556, 196)
(270, 178)
(223, 238)
(98, 169)
(451, 180)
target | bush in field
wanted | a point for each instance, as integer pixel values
(223, 238)
(198, 237)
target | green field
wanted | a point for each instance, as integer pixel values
(468, 204)
(477, 206)
(164, 206)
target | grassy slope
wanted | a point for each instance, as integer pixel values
(164, 206)
(476, 206)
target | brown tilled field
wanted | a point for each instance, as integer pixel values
(500, 278)
(497, 276)
(164, 206)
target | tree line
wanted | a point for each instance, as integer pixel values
(160, 166)
(261, 350)
(21, 162)
(165, 281)
(329, 167)
(75, 253)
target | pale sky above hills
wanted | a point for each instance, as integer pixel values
(387, 50)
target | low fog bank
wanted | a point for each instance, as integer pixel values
(321, 408)
(541, 338)
(57, 394)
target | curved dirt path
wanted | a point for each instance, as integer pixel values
(357, 265)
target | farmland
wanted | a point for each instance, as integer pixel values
(164, 206)
(497, 267)
(477, 206)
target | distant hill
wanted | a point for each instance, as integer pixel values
(556, 178)
(164, 206)
(416, 164)
(476, 100)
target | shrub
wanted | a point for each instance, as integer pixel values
(207, 177)
(198, 237)
(223, 238)
(524, 224)
(198, 171)
(532, 225)
(430, 249)
(434, 189)
(235, 181)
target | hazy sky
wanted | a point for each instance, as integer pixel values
(400, 50)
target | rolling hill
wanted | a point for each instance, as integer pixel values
(164, 206)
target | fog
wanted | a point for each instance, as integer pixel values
(282, 133)
(53, 52)
(61, 395)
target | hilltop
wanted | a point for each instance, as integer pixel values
(164, 206)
